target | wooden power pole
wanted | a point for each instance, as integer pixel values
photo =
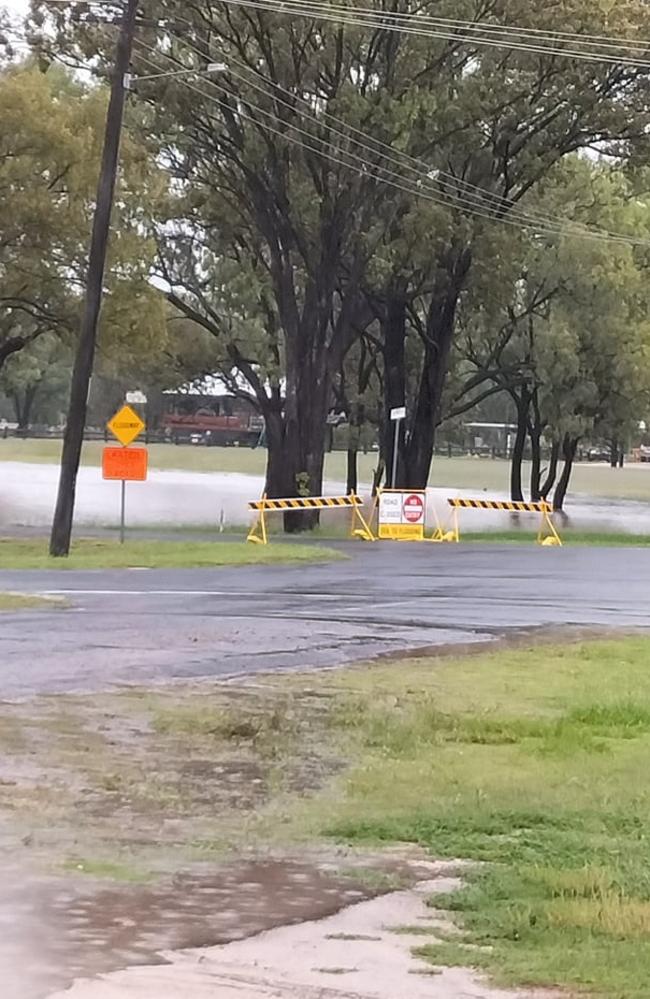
(85, 355)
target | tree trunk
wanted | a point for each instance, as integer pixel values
(352, 482)
(277, 484)
(24, 409)
(306, 405)
(551, 474)
(613, 453)
(9, 346)
(394, 343)
(569, 448)
(378, 475)
(536, 464)
(18, 409)
(536, 428)
(441, 317)
(517, 457)
(418, 453)
(356, 418)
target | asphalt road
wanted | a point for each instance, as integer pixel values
(143, 626)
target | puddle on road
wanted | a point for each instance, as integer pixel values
(122, 790)
(52, 932)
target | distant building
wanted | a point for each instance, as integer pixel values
(207, 412)
(491, 438)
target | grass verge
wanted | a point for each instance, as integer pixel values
(101, 554)
(536, 764)
(603, 539)
(25, 601)
(532, 761)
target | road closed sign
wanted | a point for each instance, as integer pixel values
(401, 514)
(128, 464)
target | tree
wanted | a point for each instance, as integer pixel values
(567, 337)
(331, 231)
(36, 381)
(504, 121)
(50, 127)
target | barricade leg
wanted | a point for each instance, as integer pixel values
(257, 534)
(373, 519)
(441, 534)
(438, 534)
(365, 531)
(548, 535)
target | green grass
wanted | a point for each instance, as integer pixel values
(536, 763)
(483, 475)
(601, 539)
(533, 761)
(25, 601)
(109, 869)
(98, 554)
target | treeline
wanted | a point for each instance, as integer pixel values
(359, 218)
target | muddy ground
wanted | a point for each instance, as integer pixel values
(140, 821)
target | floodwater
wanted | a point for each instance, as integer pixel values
(219, 500)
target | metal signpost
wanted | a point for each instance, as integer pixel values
(396, 415)
(123, 463)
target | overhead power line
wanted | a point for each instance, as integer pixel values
(412, 24)
(458, 25)
(483, 27)
(380, 173)
(461, 191)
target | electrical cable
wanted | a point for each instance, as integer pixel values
(548, 226)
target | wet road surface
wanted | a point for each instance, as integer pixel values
(144, 626)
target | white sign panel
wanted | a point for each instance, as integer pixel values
(390, 508)
(402, 514)
(136, 398)
(398, 414)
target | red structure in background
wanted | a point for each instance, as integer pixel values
(217, 421)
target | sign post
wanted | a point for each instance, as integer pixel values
(125, 464)
(396, 415)
(123, 511)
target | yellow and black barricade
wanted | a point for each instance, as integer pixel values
(547, 534)
(354, 503)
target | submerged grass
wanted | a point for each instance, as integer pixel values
(457, 472)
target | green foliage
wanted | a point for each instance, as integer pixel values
(533, 762)
(36, 381)
(51, 129)
(286, 235)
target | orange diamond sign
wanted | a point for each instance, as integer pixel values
(126, 425)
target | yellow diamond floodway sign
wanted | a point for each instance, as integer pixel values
(126, 425)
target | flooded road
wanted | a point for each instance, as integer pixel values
(219, 499)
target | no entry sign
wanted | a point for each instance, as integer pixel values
(401, 514)
(414, 508)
